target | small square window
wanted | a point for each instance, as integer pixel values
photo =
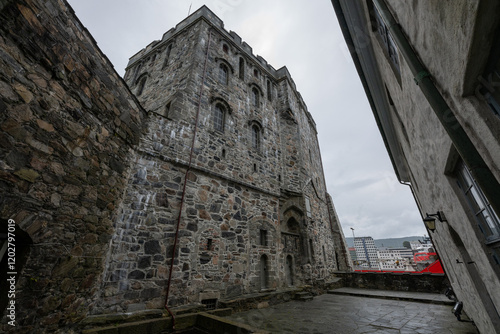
(210, 304)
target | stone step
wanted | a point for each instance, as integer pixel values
(302, 293)
(305, 298)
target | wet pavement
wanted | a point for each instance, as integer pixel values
(360, 311)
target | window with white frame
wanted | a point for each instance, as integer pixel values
(486, 218)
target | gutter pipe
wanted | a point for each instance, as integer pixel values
(185, 181)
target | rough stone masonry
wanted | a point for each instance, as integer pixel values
(96, 170)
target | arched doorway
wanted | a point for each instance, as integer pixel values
(264, 272)
(289, 270)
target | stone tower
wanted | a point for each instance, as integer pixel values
(229, 171)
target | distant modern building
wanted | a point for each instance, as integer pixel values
(421, 246)
(395, 258)
(366, 252)
(352, 253)
(431, 72)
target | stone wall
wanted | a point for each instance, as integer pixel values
(68, 124)
(255, 213)
(431, 283)
(455, 56)
(95, 183)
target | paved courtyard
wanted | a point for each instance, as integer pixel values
(345, 314)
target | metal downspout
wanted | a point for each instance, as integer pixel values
(185, 181)
(480, 170)
(428, 232)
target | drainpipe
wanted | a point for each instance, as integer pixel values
(185, 181)
(428, 232)
(479, 169)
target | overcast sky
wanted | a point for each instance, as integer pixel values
(305, 37)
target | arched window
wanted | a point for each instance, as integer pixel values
(255, 136)
(219, 115)
(142, 83)
(225, 48)
(223, 74)
(242, 69)
(255, 97)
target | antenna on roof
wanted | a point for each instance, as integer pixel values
(189, 11)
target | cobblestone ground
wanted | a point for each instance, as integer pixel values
(349, 314)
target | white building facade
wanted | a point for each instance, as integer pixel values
(366, 252)
(395, 259)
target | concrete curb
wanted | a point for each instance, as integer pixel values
(393, 295)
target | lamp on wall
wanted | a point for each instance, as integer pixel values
(430, 220)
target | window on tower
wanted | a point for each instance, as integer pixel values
(255, 97)
(142, 83)
(219, 116)
(223, 74)
(242, 69)
(255, 136)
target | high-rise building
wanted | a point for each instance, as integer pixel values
(431, 72)
(366, 252)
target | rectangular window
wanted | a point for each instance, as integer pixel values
(388, 43)
(487, 219)
(210, 304)
(263, 238)
(218, 118)
(489, 87)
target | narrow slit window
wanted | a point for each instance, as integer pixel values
(242, 69)
(255, 137)
(255, 97)
(142, 83)
(269, 90)
(167, 55)
(263, 237)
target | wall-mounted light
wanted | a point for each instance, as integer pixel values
(430, 220)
